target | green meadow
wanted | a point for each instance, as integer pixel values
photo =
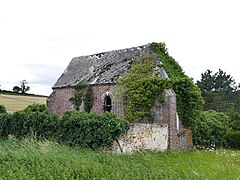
(30, 159)
(18, 102)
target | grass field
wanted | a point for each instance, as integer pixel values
(18, 102)
(29, 159)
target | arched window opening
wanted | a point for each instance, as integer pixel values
(107, 104)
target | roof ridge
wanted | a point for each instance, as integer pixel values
(99, 55)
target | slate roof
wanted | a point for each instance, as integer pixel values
(101, 68)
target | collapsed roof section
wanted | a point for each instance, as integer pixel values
(102, 68)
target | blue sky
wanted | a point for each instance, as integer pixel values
(39, 38)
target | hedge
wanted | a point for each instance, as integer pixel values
(90, 129)
(74, 128)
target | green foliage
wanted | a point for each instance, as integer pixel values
(88, 99)
(23, 87)
(5, 120)
(83, 92)
(189, 99)
(36, 108)
(211, 128)
(235, 119)
(79, 94)
(25, 124)
(75, 128)
(233, 139)
(221, 94)
(169, 64)
(31, 159)
(2, 109)
(90, 129)
(16, 89)
(141, 86)
(219, 91)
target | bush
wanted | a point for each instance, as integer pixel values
(5, 120)
(42, 124)
(36, 108)
(75, 128)
(22, 124)
(90, 129)
(210, 128)
(233, 139)
(235, 119)
(2, 109)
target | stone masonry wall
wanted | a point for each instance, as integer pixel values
(184, 140)
(143, 136)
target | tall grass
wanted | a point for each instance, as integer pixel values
(30, 159)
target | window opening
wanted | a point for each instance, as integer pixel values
(107, 104)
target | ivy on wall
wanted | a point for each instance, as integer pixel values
(189, 98)
(83, 92)
(140, 87)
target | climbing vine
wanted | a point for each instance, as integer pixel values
(141, 86)
(88, 99)
(189, 99)
(83, 92)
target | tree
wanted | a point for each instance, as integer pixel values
(23, 88)
(16, 89)
(218, 90)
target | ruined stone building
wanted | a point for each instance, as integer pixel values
(101, 72)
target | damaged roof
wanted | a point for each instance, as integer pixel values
(101, 68)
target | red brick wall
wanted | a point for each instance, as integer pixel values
(169, 117)
(59, 101)
(100, 92)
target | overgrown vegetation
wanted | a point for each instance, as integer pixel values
(23, 124)
(211, 129)
(31, 159)
(74, 128)
(90, 129)
(189, 99)
(83, 93)
(222, 94)
(141, 86)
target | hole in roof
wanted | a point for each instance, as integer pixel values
(99, 55)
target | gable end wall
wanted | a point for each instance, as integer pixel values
(59, 101)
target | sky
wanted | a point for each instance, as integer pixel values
(38, 39)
